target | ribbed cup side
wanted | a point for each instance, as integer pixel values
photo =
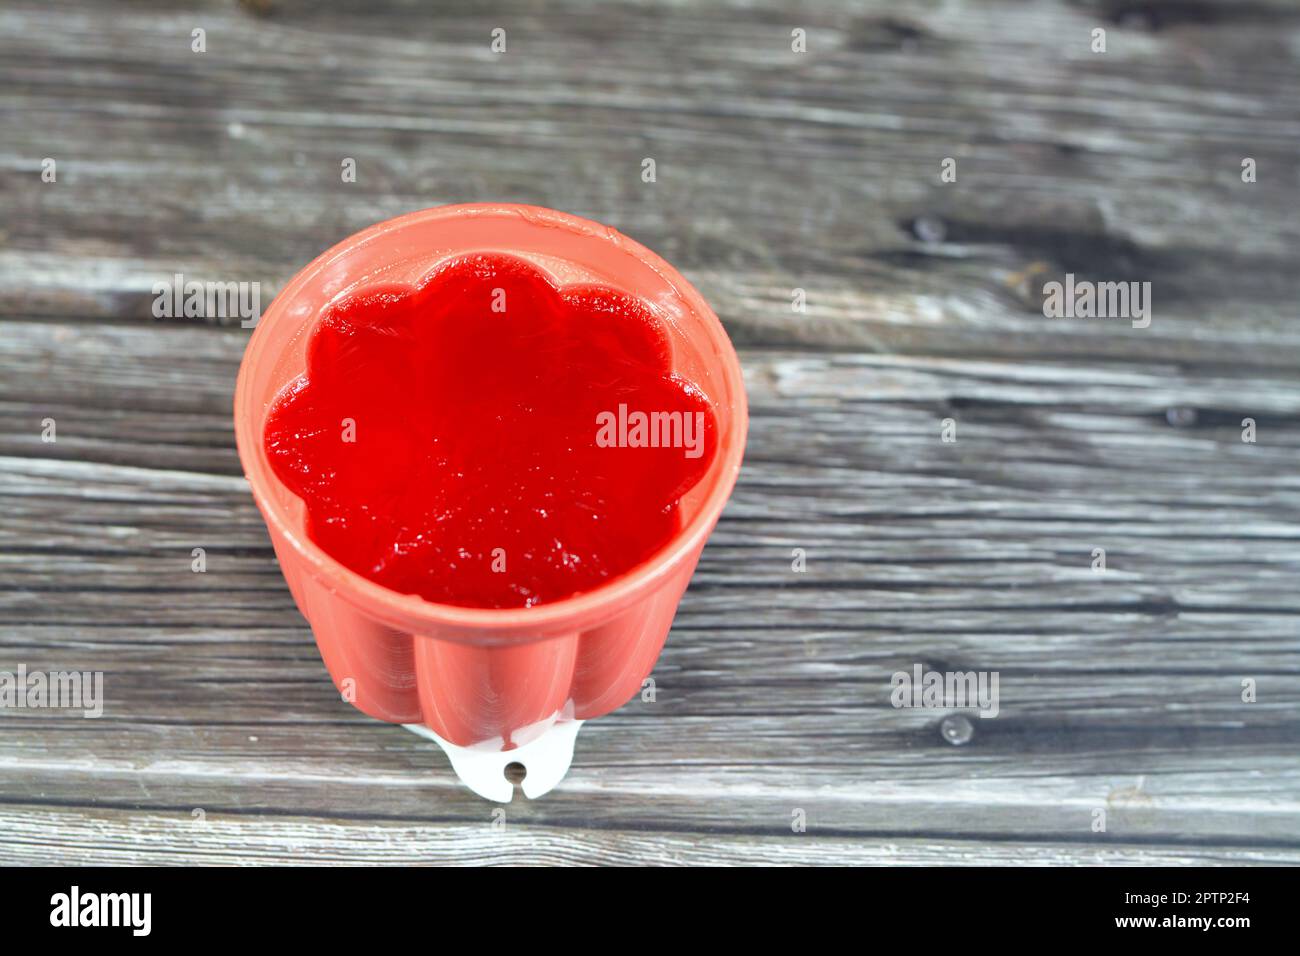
(496, 695)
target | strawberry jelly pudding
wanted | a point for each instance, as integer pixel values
(488, 439)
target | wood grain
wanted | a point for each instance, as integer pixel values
(1121, 691)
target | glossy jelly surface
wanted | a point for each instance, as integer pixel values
(489, 439)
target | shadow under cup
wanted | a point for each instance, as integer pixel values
(479, 676)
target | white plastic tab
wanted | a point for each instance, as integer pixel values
(482, 767)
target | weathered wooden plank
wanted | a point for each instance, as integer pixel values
(38, 834)
(1108, 165)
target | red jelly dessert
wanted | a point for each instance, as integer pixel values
(489, 439)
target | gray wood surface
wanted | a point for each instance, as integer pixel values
(223, 740)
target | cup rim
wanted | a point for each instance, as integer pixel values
(411, 611)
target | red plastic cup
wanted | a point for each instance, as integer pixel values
(488, 681)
